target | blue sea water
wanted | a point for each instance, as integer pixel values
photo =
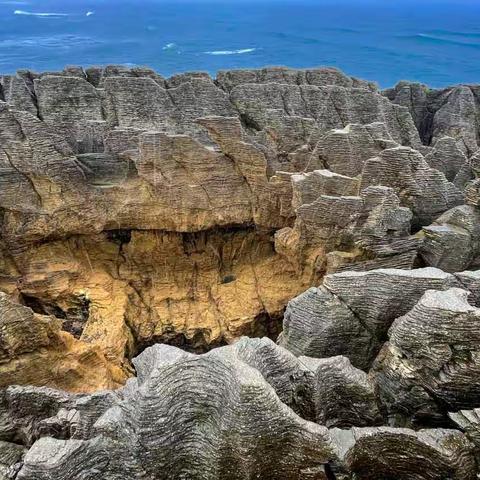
(432, 41)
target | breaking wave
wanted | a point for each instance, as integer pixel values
(34, 14)
(231, 52)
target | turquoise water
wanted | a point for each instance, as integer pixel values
(435, 42)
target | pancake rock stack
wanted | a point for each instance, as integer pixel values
(272, 275)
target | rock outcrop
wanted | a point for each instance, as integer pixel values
(213, 416)
(35, 350)
(430, 364)
(138, 209)
(451, 112)
(150, 225)
(351, 312)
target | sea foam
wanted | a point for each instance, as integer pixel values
(231, 52)
(34, 14)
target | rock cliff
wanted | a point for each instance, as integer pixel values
(150, 225)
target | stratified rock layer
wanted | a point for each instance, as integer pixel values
(351, 312)
(213, 416)
(431, 362)
(140, 214)
(139, 209)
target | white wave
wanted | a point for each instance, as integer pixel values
(169, 46)
(88, 14)
(33, 14)
(231, 52)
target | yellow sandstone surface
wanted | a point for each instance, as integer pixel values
(196, 290)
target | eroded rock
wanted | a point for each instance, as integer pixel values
(225, 410)
(380, 453)
(430, 364)
(351, 312)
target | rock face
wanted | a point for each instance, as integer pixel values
(222, 406)
(451, 112)
(150, 225)
(433, 353)
(138, 209)
(225, 409)
(34, 349)
(351, 312)
(380, 453)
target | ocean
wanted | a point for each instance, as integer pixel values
(431, 41)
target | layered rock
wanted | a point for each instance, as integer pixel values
(35, 350)
(452, 241)
(430, 364)
(343, 395)
(351, 312)
(181, 404)
(158, 199)
(225, 410)
(380, 453)
(450, 112)
(187, 212)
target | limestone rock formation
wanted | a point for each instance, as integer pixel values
(351, 312)
(149, 225)
(208, 417)
(380, 453)
(451, 112)
(35, 350)
(424, 190)
(183, 406)
(469, 422)
(159, 199)
(343, 395)
(430, 363)
(447, 157)
(360, 232)
(11, 456)
(452, 241)
(470, 281)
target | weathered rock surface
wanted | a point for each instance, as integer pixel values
(451, 112)
(140, 213)
(381, 453)
(213, 416)
(35, 350)
(452, 242)
(426, 191)
(139, 209)
(189, 417)
(11, 456)
(431, 363)
(351, 312)
(343, 395)
(469, 422)
(447, 157)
